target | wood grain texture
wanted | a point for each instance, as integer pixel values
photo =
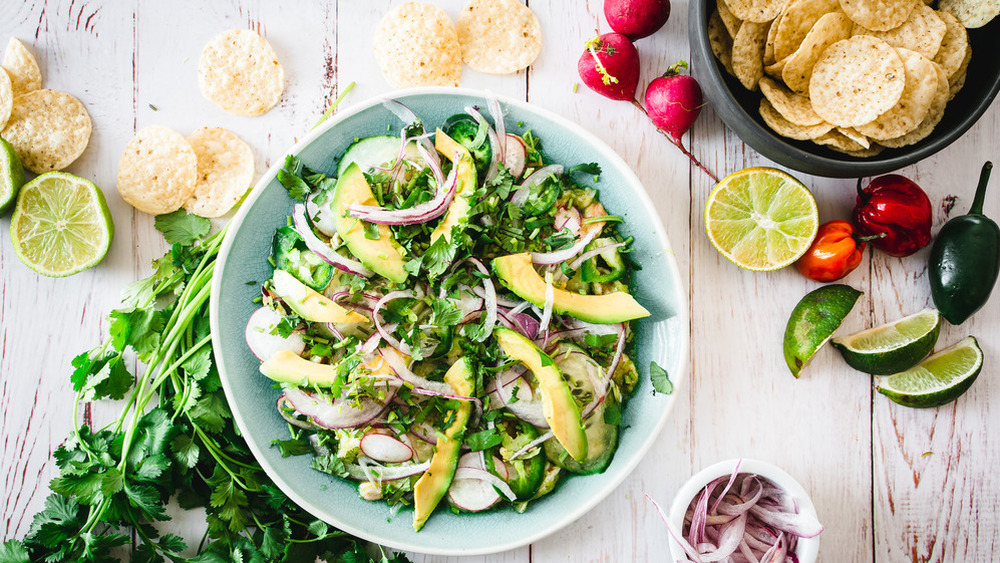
(891, 484)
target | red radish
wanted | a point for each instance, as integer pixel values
(610, 66)
(673, 102)
(636, 18)
(514, 155)
(382, 447)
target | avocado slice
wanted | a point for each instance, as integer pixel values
(458, 211)
(309, 304)
(518, 275)
(602, 438)
(434, 483)
(560, 409)
(383, 255)
(285, 366)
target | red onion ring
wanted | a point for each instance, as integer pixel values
(327, 254)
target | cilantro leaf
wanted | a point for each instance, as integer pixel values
(660, 379)
(446, 313)
(181, 227)
(591, 168)
(13, 551)
(438, 257)
(289, 178)
(484, 439)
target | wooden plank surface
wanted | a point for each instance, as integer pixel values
(890, 484)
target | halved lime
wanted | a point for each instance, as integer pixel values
(814, 320)
(761, 219)
(892, 347)
(11, 175)
(61, 225)
(939, 379)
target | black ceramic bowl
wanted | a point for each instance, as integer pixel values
(738, 107)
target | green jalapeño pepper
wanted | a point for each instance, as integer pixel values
(606, 266)
(290, 254)
(965, 260)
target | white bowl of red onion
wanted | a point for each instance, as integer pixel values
(743, 510)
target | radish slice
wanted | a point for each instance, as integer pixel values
(340, 413)
(528, 406)
(474, 488)
(262, 342)
(515, 155)
(385, 448)
(568, 218)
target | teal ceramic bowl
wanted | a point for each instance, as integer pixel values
(662, 338)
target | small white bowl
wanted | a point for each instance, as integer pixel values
(806, 549)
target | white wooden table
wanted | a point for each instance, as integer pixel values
(890, 483)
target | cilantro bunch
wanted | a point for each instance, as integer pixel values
(175, 440)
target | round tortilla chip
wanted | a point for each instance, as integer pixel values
(721, 42)
(954, 46)
(769, 43)
(798, 18)
(48, 129)
(239, 72)
(921, 32)
(748, 53)
(786, 128)
(158, 170)
(798, 69)
(853, 134)
(499, 36)
(934, 115)
(732, 22)
(957, 83)
(6, 98)
(225, 171)
(21, 66)
(757, 11)
(919, 90)
(878, 15)
(972, 13)
(417, 45)
(856, 80)
(793, 107)
(839, 142)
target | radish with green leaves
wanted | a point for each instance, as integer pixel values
(636, 18)
(609, 66)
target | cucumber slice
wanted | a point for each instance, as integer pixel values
(375, 151)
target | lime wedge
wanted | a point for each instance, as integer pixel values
(61, 225)
(761, 219)
(939, 379)
(892, 347)
(814, 320)
(11, 175)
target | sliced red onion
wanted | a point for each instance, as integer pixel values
(420, 213)
(539, 175)
(493, 104)
(322, 216)
(568, 218)
(521, 322)
(381, 473)
(560, 256)
(550, 296)
(408, 118)
(501, 301)
(801, 525)
(283, 409)
(528, 406)
(691, 552)
(263, 342)
(591, 253)
(384, 331)
(322, 249)
(532, 444)
(398, 366)
(484, 475)
(425, 432)
(490, 299)
(340, 413)
(495, 148)
(593, 328)
(385, 448)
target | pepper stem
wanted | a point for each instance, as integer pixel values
(984, 178)
(870, 238)
(864, 197)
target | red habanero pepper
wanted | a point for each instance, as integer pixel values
(835, 252)
(894, 205)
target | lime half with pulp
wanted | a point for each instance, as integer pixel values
(11, 175)
(814, 320)
(61, 225)
(761, 219)
(939, 379)
(893, 347)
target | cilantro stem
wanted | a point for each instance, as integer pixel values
(333, 106)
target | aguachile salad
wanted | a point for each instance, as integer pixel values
(448, 317)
